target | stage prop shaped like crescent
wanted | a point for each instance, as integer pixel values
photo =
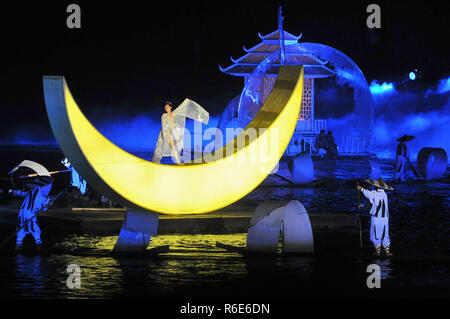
(194, 188)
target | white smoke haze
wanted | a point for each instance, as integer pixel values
(424, 113)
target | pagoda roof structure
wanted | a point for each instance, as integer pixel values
(246, 64)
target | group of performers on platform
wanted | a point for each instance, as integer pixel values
(325, 144)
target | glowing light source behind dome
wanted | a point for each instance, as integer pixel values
(376, 88)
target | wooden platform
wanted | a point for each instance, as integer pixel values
(108, 221)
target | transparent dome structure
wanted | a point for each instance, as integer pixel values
(229, 116)
(356, 121)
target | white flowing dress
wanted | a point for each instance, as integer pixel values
(175, 129)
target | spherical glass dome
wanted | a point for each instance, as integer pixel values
(352, 116)
(229, 116)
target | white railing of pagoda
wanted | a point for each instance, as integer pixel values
(357, 145)
(351, 145)
(311, 126)
(300, 143)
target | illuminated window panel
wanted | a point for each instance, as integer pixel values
(306, 108)
(267, 87)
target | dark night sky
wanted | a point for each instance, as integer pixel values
(130, 57)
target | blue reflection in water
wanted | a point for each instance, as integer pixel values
(31, 278)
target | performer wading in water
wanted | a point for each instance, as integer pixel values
(402, 157)
(35, 192)
(379, 222)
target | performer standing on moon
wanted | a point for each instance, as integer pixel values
(171, 138)
(168, 136)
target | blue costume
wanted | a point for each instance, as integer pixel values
(35, 190)
(35, 201)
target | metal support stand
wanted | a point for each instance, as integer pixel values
(137, 230)
(273, 218)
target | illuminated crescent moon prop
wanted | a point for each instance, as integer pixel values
(193, 188)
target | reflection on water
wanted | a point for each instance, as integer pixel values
(193, 267)
(385, 267)
(193, 262)
(34, 278)
(196, 267)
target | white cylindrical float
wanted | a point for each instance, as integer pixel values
(432, 162)
(302, 169)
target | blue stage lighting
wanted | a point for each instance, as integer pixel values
(412, 76)
(376, 88)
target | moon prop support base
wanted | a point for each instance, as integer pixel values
(271, 219)
(137, 231)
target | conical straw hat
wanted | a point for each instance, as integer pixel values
(406, 138)
(379, 183)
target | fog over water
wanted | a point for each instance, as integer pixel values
(400, 108)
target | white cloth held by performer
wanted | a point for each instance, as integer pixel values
(175, 129)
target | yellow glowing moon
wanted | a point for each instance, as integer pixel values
(198, 188)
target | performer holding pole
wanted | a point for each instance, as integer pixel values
(379, 222)
(402, 157)
(35, 191)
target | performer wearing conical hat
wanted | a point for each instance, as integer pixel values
(35, 192)
(379, 222)
(402, 157)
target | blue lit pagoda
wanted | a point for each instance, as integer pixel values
(308, 127)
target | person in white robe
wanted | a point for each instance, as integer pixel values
(379, 222)
(171, 137)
